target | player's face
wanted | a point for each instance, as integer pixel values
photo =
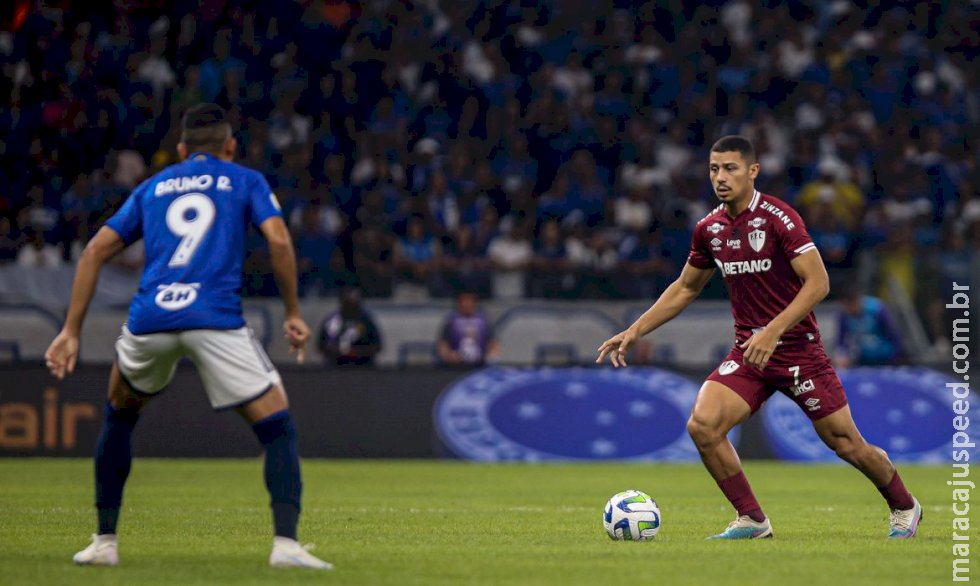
(732, 177)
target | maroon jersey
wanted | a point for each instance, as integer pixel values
(753, 252)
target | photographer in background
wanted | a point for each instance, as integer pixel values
(467, 338)
(349, 336)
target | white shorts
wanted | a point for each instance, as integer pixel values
(232, 364)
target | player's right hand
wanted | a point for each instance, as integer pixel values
(61, 355)
(297, 333)
(616, 347)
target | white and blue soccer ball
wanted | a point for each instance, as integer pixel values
(631, 515)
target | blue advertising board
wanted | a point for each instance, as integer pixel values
(542, 414)
(908, 412)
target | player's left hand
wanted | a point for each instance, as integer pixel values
(759, 347)
(297, 333)
(61, 355)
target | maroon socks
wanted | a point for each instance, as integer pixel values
(896, 495)
(739, 493)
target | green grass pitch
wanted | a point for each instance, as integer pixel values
(443, 522)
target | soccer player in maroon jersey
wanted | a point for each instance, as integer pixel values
(775, 277)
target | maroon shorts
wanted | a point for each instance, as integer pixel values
(802, 372)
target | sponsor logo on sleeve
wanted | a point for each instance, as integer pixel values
(780, 214)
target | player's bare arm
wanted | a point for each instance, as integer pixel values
(283, 257)
(810, 269)
(674, 300)
(62, 354)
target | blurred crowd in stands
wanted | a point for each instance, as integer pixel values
(547, 148)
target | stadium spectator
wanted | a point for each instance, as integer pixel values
(511, 254)
(866, 332)
(634, 211)
(316, 245)
(9, 245)
(550, 267)
(834, 188)
(467, 338)
(39, 217)
(349, 336)
(464, 261)
(373, 254)
(500, 99)
(642, 267)
(418, 260)
(37, 253)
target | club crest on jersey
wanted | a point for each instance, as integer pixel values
(727, 367)
(715, 228)
(176, 296)
(757, 239)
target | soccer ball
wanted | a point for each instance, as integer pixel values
(631, 516)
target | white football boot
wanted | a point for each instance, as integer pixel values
(101, 552)
(745, 528)
(904, 524)
(288, 553)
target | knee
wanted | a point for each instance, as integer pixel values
(703, 432)
(847, 449)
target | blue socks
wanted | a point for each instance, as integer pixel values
(113, 459)
(282, 476)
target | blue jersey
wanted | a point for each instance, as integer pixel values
(193, 218)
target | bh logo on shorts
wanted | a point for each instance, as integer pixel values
(176, 295)
(535, 414)
(727, 367)
(905, 411)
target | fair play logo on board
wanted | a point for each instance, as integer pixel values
(536, 414)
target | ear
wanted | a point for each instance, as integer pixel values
(754, 170)
(231, 147)
(182, 151)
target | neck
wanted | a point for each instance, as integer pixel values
(221, 156)
(740, 204)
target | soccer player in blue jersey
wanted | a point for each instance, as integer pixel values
(193, 218)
